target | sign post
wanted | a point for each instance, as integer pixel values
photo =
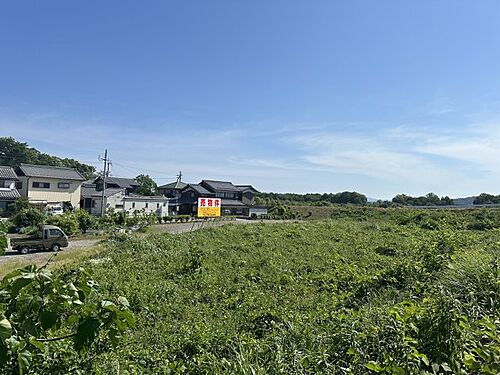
(209, 207)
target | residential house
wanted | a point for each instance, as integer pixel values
(235, 199)
(188, 202)
(8, 191)
(172, 190)
(48, 185)
(231, 203)
(129, 184)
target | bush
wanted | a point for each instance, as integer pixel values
(27, 217)
(3, 243)
(85, 220)
(68, 222)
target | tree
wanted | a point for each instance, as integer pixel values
(28, 217)
(13, 153)
(148, 186)
(85, 220)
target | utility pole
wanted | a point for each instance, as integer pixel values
(104, 178)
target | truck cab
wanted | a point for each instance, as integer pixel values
(49, 237)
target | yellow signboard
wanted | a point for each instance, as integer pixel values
(209, 207)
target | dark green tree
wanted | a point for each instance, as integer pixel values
(148, 186)
(13, 153)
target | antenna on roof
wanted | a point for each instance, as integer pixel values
(179, 176)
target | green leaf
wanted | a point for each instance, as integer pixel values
(5, 329)
(374, 366)
(23, 360)
(86, 332)
(37, 344)
(19, 284)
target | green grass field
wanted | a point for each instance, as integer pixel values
(390, 292)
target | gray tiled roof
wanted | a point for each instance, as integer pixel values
(220, 185)
(91, 192)
(246, 187)
(47, 171)
(200, 189)
(7, 173)
(9, 194)
(125, 183)
(179, 185)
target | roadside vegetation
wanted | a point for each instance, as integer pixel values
(367, 291)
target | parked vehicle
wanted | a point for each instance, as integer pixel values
(55, 210)
(49, 237)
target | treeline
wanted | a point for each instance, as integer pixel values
(345, 197)
(13, 153)
(485, 198)
(430, 199)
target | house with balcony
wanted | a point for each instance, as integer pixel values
(8, 191)
(49, 186)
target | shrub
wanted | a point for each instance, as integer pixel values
(85, 220)
(68, 222)
(28, 217)
(3, 243)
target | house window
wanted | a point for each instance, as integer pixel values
(19, 185)
(157, 205)
(63, 185)
(147, 204)
(4, 184)
(41, 185)
(133, 204)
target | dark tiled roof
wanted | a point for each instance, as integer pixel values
(7, 173)
(9, 194)
(200, 189)
(220, 185)
(47, 171)
(247, 187)
(177, 185)
(91, 192)
(125, 183)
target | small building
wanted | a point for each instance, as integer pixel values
(8, 191)
(140, 204)
(118, 200)
(91, 199)
(48, 185)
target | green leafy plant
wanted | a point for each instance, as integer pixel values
(39, 309)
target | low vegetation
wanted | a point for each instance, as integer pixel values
(368, 291)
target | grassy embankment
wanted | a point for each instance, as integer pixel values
(385, 291)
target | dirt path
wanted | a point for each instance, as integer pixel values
(42, 256)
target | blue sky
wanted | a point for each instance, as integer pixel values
(381, 97)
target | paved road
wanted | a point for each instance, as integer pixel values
(43, 256)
